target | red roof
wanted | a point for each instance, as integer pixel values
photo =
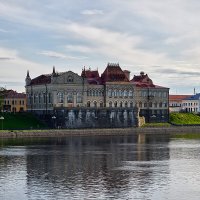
(178, 97)
(42, 79)
(14, 94)
(114, 73)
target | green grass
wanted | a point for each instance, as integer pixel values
(156, 125)
(184, 118)
(20, 121)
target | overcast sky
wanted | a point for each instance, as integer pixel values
(161, 38)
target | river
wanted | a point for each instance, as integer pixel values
(101, 167)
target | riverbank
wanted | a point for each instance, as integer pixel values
(97, 132)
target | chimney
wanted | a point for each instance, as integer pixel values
(127, 74)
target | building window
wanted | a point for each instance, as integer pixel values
(109, 93)
(115, 104)
(145, 105)
(88, 104)
(140, 104)
(121, 105)
(101, 104)
(70, 79)
(60, 97)
(110, 104)
(131, 104)
(126, 104)
(125, 93)
(70, 98)
(150, 104)
(44, 97)
(95, 104)
(155, 105)
(49, 98)
(93, 93)
(79, 98)
(160, 104)
(130, 93)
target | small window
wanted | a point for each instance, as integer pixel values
(70, 79)
(88, 104)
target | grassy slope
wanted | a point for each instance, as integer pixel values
(20, 121)
(184, 118)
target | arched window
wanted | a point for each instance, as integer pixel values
(120, 93)
(95, 104)
(88, 104)
(130, 93)
(110, 104)
(70, 79)
(97, 93)
(115, 104)
(79, 98)
(60, 96)
(70, 98)
(49, 96)
(101, 104)
(34, 98)
(121, 104)
(44, 97)
(126, 104)
(145, 105)
(109, 93)
(39, 98)
(125, 93)
(131, 104)
(150, 104)
(155, 105)
(115, 93)
(93, 93)
(160, 104)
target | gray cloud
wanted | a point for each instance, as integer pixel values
(6, 58)
(92, 12)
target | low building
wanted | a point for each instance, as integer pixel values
(176, 101)
(14, 101)
(191, 104)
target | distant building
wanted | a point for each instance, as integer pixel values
(112, 95)
(191, 104)
(176, 101)
(14, 101)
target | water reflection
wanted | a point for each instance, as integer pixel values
(106, 167)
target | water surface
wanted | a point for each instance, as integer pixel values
(100, 167)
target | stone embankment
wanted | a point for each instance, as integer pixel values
(95, 132)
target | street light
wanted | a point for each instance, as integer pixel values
(2, 118)
(54, 120)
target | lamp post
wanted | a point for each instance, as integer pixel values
(2, 118)
(54, 121)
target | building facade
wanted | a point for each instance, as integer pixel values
(176, 102)
(112, 95)
(13, 101)
(191, 104)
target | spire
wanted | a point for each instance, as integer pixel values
(54, 70)
(28, 76)
(83, 74)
